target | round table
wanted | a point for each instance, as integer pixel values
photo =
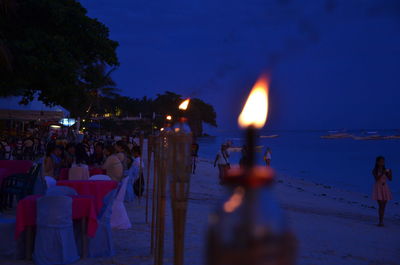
(83, 209)
(96, 188)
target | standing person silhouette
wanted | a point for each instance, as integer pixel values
(222, 160)
(268, 157)
(195, 155)
(381, 192)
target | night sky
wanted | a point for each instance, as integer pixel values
(333, 63)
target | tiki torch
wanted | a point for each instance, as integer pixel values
(180, 173)
(162, 164)
(248, 228)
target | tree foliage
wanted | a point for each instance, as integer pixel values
(163, 105)
(55, 50)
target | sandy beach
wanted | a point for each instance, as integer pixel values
(333, 226)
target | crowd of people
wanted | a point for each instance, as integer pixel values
(223, 163)
(115, 157)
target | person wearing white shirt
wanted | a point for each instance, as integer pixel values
(222, 160)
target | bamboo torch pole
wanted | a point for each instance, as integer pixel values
(149, 153)
(141, 140)
(154, 205)
(162, 176)
(179, 187)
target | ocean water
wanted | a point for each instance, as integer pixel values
(343, 163)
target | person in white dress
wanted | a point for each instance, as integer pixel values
(222, 160)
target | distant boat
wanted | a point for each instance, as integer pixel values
(269, 136)
(372, 137)
(391, 137)
(337, 136)
(331, 132)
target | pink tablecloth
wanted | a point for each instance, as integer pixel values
(92, 171)
(10, 167)
(96, 188)
(82, 207)
(16, 166)
(4, 172)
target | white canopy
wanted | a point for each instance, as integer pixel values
(11, 109)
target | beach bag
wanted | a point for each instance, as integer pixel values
(138, 186)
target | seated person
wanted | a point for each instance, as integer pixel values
(97, 158)
(113, 165)
(79, 170)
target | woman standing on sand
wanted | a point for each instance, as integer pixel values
(381, 192)
(222, 161)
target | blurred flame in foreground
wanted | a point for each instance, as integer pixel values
(234, 201)
(255, 110)
(184, 105)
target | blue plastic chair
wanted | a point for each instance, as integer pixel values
(54, 241)
(60, 191)
(132, 174)
(101, 245)
(8, 245)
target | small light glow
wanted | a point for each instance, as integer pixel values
(67, 122)
(168, 118)
(162, 129)
(55, 126)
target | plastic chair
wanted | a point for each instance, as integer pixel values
(8, 245)
(18, 186)
(133, 173)
(99, 177)
(61, 191)
(54, 241)
(119, 216)
(101, 245)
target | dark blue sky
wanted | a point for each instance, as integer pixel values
(333, 63)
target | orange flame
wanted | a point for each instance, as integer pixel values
(255, 110)
(234, 201)
(184, 105)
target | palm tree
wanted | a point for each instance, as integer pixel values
(99, 84)
(7, 9)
